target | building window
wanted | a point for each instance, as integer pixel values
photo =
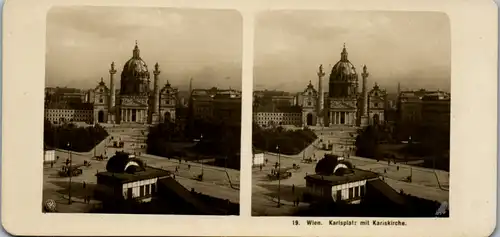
(147, 190)
(362, 191)
(309, 103)
(339, 195)
(376, 104)
(351, 193)
(356, 192)
(153, 188)
(141, 191)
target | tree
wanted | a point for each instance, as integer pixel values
(367, 142)
(81, 139)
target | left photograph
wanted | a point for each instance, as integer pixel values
(142, 111)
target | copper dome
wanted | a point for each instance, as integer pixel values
(343, 70)
(135, 67)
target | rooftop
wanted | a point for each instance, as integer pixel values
(74, 106)
(272, 108)
(148, 173)
(356, 175)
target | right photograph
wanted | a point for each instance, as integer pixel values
(351, 114)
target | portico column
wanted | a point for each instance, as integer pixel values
(331, 119)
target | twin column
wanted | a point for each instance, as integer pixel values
(126, 115)
(336, 118)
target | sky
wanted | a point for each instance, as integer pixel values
(412, 48)
(203, 44)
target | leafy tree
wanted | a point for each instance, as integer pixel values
(81, 139)
(290, 142)
(367, 142)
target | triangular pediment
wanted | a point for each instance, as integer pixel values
(133, 102)
(342, 105)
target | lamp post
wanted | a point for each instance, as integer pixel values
(95, 144)
(278, 173)
(304, 151)
(201, 138)
(70, 173)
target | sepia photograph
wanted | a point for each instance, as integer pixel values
(251, 118)
(142, 111)
(351, 114)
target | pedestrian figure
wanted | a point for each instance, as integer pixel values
(176, 170)
(260, 167)
(397, 167)
(385, 171)
(84, 184)
(174, 176)
(293, 188)
(51, 164)
(189, 166)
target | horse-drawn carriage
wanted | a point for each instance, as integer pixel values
(198, 177)
(277, 174)
(101, 157)
(308, 160)
(67, 171)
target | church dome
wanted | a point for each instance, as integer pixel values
(343, 70)
(135, 67)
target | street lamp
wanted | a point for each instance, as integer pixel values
(304, 151)
(279, 174)
(201, 138)
(70, 172)
(95, 144)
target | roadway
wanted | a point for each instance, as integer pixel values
(218, 182)
(426, 183)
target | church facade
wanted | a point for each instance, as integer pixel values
(134, 102)
(344, 103)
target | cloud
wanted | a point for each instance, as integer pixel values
(83, 41)
(396, 46)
